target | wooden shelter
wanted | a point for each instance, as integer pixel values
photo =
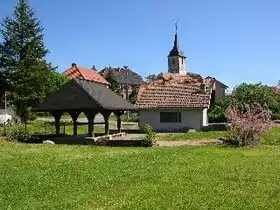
(85, 96)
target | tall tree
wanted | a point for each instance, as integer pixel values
(133, 95)
(115, 86)
(151, 76)
(22, 59)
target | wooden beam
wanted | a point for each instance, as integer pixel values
(90, 116)
(106, 114)
(118, 115)
(57, 116)
(74, 115)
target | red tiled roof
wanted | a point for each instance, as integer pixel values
(172, 96)
(78, 72)
(213, 79)
(175, 91)
(276, 90)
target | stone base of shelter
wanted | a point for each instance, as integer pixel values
(85, 139)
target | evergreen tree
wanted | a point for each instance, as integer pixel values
(133, 95)
(23, 67)
(115, 86)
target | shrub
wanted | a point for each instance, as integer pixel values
(217, 112)
(22, 135)
(246, 126)
(150, 136)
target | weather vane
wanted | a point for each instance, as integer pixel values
(176, 26)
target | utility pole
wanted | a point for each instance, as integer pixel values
(5, 102)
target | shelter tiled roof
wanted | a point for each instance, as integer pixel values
(83, 95)
(78, 72)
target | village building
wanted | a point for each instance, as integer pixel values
(79, 72)
(276, 89)
(177, 100)
(125, 77)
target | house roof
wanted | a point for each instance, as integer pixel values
(213, 79)
(172, 95)
(169, 90)
(78, 72)
(123, 75)
(81, 95)
(276, 90)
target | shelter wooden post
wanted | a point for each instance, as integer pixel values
(118, 115)
(57, 115)
(75, 116)
(90, 116)
(106, 115)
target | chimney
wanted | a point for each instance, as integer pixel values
(73, 65)
(203, 88)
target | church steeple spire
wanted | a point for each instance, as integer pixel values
(175, 50)
(176, 58)
(176, 38)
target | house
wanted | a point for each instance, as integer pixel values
(177, 100)
(276, 89)
(127, 79)
(79, 72)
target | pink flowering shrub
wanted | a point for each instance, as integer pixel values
(246, 125)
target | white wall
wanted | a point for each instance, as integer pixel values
(205, 117)
(190, 118)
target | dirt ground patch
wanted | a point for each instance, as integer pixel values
(187, 143)
(159, 143)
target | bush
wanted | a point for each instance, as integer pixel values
(22, 135)
(276, 116)
(217, 115)
(150, 137)
(247, 125)
(217, 112)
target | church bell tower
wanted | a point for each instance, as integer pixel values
(176, 58)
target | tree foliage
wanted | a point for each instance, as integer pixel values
(23, 67)
(114, 85)
(151, 76)
(244, 95)
(133, 95)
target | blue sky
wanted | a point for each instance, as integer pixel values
(233, 40)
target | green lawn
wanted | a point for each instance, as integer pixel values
(84, 177)
(192, 136)
(271, 137)
(40, 127)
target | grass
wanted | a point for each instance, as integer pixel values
(40, 127)
(82, 177)
(271, 137)
(192, 136)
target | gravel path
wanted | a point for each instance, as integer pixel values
(187, 143)
(202, 142)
